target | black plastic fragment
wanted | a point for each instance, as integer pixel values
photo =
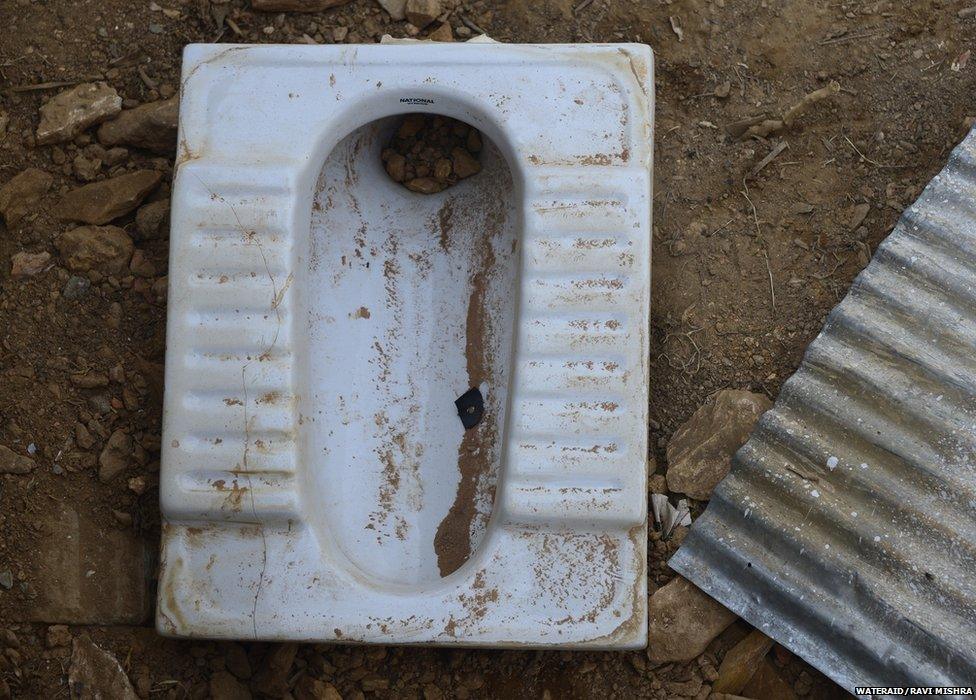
(471, 407)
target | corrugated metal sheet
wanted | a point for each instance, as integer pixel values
(847, 527)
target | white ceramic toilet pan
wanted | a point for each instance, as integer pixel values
(316, 480)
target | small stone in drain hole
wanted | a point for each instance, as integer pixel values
(429, 153)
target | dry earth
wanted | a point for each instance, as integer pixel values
(748, 262)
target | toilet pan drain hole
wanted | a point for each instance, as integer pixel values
(429, 153)
(470, 407)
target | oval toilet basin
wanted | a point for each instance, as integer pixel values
(409, 302)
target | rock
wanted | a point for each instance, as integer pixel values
(6, 579)
(4, 121)
(236, 661)
(13, 463)
(682, 621)
(442, 33)
(101, 202)
(90, 380)
(465, 165)
(86, 169)
(86, 574)
(138, 485)
(151, 126)
(77, 287)
(58, 636)
(741, 663)
(272, 679)
(700, 451)
(95, 674)
(768, 684)
(424, 185)
(223, 686)
(309, 688)
(141, 266)
(21, 192)
(69, 113)
(106, 249)
(856, 215)
(296, 5)
(115, 456)
(396, 167)
(420, 13)
(152, 221)
(397, 9)
(28, 264)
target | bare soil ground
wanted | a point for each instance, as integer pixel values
(747, 265)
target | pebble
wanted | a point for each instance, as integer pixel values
(741, 662)
(309, 688)
(19, 194)
(101, 202)
(115, 456)
(272, 679)
(77, 287)
(140, 266)
(223, 686)
(443, 33)
(236, 661)
(58, 636)
(420, 13)
(28, 264)
(138, 485)
(296, 5)
(700, 451)
(13, 463)
(106, 249)
(682, 621)
(96, 673)
(7, 579)
(397, 9)
(856, 215)
(768, 683)
(69, 113)
(151, 126)
(152, 221)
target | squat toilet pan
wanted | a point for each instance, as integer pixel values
(317, 482)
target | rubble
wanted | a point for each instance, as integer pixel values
(741, 662)
(151, 126)
(420, 13)
(21, 192)
(101, 202)
(700, 451)
(25, 264)
(107, 249)
(13, 463)
(397, 9)
(682, 621)
(97, 674)
(69, 113)
(114, 458)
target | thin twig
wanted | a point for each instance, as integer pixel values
(50, 85)
(849, 37)
(872, 162)
(772, 292)
(755, 214)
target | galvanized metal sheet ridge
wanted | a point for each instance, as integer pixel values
(846, 529)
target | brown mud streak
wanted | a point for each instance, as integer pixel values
(452, 543)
